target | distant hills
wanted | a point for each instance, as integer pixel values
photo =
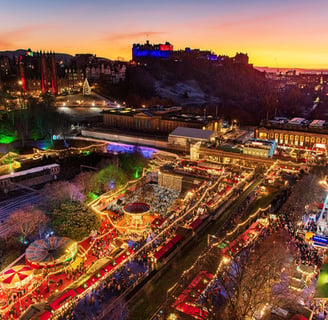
(20, 52)
(298, 70)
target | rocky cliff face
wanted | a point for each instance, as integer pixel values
(231, 90)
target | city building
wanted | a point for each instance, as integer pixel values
(96, 68)
(296, 132)
(184, 137)
(114, 71)
(260, 148)
(157, 119)
(317, 80)
(47, 72)
(38, 72)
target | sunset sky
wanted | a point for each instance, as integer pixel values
(276, 33)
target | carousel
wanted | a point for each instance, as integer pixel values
(137, 219)
(51, 252)
(135, 213)
(16, 277)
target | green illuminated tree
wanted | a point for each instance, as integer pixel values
(74, 220)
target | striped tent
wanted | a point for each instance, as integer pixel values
(17, 276)
(50, 251)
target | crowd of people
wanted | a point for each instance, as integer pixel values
(126, 276)
(102, 246)
(306, 254)
(158, 198)
(98, 299)
(136, 269)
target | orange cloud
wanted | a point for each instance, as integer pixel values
(131, 35)
(13, 38)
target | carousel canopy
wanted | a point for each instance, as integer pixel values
(17, 275)
(53, 250)
(136, 208)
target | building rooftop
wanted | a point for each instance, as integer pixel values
(192, 133)
(317, 123)
(166, 113)
(297, 124)
(296, 121)
(259, 143)
(150, 111)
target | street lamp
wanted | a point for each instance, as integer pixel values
(209, 236)
(19, 92)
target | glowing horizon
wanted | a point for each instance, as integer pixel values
(277, 34)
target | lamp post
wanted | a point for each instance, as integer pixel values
(209, 236)
(19, 92)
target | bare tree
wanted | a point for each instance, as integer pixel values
(84, 182)
(62, 191)
(27, 221)
(258, 277)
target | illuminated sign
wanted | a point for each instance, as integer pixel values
(320, 241)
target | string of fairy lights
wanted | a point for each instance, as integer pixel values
(109, 196)
(225, 260)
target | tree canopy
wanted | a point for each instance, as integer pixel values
(74, 220)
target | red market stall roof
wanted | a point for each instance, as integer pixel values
(108, 268)
(298, 317)
(92, 280)
(82, 287)
(159, 254)
(158, 222)
(63, 299)
(186, 301)
(45, 315)
(196, 223)
(195, 312)
(123, 256)
(95, 278)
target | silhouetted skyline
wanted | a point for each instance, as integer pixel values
(281, 33)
